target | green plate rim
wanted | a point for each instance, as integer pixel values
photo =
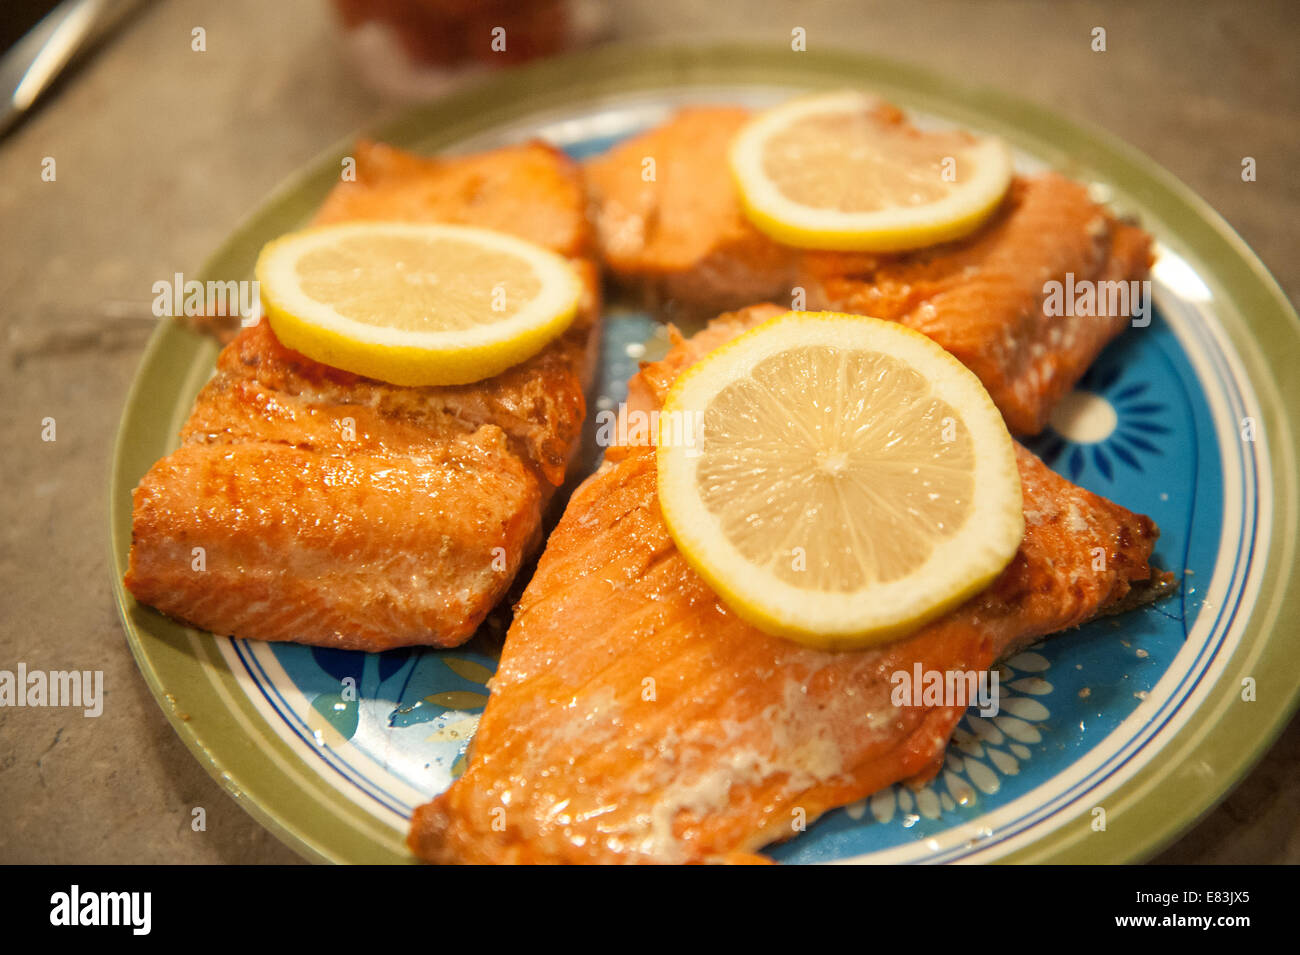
(187, 676)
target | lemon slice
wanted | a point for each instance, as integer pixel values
(838, 480)
(415, 304)
(835, 172)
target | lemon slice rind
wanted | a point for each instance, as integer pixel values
(956, 569)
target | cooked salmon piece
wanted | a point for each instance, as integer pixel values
(681, 236)
(310, 504)
(636, 719)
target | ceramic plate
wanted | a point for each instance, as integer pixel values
(1147, 719)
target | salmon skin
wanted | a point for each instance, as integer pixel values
(636, 719)
(313, 505)
(682, 238)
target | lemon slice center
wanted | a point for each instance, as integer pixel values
(855, 162)
(837, 488)
(416, 284)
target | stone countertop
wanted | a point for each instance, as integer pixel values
(160, 151)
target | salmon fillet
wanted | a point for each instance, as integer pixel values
(682, 237)
(634, 718)
(340, 511)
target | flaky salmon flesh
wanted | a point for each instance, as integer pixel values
(309, 504)
(636, 719)
(681, 237)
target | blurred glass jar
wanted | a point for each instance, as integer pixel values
(417, 48)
